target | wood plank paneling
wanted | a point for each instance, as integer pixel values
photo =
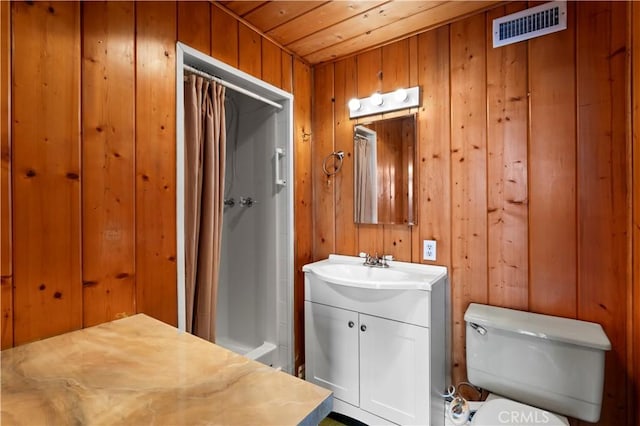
(224, 36)
(330, 13)
(434, 139)
(369, 79)
(194, 25)
(633, 362)
(552, 172)
(6, 246)
(507, 114)
(286, 81)
(155, 161)
(437, 14)
(249, 51)
(396, 62)
(125, 238)
(46, 149)
(357, 25)
(108, 161)
(303, 197)
(602, 185)
(274, 13)
(468, 175)
(345, 89)
(271, 63)
(242, 7)
(323, 185)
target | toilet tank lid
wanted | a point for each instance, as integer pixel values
(566, 330)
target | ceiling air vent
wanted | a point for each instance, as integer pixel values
(540, 20)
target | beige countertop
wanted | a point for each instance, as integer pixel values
(138, 370)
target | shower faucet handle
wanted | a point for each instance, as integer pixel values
(247, 201)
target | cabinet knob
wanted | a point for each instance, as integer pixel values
(363, 327)
(351, 324)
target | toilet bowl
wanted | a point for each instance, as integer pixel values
(497, 410)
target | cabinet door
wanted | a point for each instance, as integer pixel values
(331, 350)
(394, 370)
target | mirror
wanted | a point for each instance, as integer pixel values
(384, 156)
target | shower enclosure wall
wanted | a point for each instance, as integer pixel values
(254, 309)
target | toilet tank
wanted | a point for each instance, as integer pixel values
(549, 362)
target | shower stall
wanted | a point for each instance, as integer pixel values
(254, 305)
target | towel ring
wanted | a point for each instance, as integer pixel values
(338, 157)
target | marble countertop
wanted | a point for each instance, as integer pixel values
(138, 370)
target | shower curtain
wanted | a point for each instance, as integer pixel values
(205, 141)
(363, 181)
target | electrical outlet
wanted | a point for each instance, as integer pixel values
(429, 250)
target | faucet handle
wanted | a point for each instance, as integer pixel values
(363, 255)
(388, 257)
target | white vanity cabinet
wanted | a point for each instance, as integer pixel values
(382, 351)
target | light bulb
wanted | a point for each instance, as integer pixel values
(376, 99)
(400, 95)
(354, 104)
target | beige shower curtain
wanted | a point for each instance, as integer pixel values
(363, 181)
(205, 141)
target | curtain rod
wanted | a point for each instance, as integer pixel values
(231, 86)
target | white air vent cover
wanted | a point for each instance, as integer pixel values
(540, 20)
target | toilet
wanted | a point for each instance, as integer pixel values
(537, 368)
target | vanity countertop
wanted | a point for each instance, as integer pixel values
(138, 370)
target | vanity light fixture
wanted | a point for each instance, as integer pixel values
(376, 99)
(384, 102)
(354, 104)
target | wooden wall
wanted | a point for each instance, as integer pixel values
(523, 171)
(88, 161)
(633, 301)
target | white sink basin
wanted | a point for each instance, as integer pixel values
(351, 271)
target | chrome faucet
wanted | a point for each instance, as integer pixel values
(375, 261)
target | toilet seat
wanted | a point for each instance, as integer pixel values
(502, 411)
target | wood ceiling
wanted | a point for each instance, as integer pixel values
(320, 31)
